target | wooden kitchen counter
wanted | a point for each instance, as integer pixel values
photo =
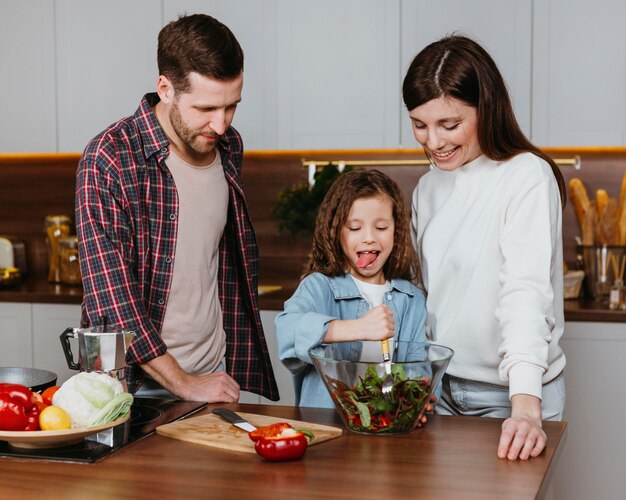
(452, 457)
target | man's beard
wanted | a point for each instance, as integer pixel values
(188, 136)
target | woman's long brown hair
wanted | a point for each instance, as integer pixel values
(327, 256)
(458, 67)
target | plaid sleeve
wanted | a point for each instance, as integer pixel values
(105, 226)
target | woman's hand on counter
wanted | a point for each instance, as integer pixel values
(522, 434)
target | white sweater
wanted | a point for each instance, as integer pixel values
(489, 239)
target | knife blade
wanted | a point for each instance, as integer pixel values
(234, 419)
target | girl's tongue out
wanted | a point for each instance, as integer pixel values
(365, 259)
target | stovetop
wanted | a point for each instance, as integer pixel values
(146, 415)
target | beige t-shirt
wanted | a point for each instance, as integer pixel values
(193, 325)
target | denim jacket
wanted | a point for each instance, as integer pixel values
(321, 299)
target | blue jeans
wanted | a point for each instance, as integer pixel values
(151, 389)
(466, 397)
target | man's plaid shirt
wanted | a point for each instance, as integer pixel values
(126, 221)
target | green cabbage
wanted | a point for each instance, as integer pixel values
(91, 398)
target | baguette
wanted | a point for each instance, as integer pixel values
(622, 194)
(589, 227)
(609, 228)
(580, 201)
(602, 199)
(622, 212)
(622, 227)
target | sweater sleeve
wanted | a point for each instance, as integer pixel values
(303, 324)
(525, 309)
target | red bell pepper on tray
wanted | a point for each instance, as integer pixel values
(280, 442)
(19, 410)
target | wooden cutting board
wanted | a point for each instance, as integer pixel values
(211, 430)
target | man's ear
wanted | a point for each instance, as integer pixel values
(165, 89)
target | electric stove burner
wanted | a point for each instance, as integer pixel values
(146, 415)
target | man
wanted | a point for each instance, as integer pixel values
(166, 245)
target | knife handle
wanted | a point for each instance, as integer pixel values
(228, 415)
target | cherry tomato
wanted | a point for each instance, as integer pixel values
(48, 393)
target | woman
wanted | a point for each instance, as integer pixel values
(487, 226)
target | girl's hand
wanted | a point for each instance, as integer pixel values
(522, 435)
(376, 324)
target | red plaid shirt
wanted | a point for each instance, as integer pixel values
(126, 221)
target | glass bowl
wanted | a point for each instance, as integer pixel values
(354, 382)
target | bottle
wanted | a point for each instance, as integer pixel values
(68, 257)
(617, 299)
(57, 227)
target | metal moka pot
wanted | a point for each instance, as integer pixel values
(100, 349)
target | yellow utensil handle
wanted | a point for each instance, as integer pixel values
(385, 347)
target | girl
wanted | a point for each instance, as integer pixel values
(487, 220)
(357, 284)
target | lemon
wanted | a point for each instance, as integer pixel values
(53, 418)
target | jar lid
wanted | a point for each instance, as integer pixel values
(57, 219)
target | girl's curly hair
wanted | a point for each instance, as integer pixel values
(327, 256)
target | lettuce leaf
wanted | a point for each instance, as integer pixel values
(114, 409)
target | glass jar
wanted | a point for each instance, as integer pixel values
(57, 227)
(68, 256)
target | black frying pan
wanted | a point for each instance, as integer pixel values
(34, 378)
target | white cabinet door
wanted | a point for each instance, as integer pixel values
(338, 74)
(27, 66)
(106, 62)
(593, 460)
(16, 345)
(579, 73)
(284, 379)
(49, 321)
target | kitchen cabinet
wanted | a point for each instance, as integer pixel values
(27, 66)
(16, 341)
(116, 40)
(319, 75)
(49, 321)
(579, 73)
(29, 335)
(283, 376)
(593, 459)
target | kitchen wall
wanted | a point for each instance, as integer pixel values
(324, 74)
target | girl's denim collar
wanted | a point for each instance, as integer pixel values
(344, 287)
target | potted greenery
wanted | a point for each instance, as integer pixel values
(297, 205)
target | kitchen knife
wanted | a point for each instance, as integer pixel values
(234, 419)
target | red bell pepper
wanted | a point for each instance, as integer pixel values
(18, 408)
(280, 442)
(12, 414)
(269, 431)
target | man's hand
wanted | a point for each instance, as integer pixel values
(216, 387)
(522, 435)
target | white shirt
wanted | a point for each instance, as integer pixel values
(489, 240)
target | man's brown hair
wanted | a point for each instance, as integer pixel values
(201, 44)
